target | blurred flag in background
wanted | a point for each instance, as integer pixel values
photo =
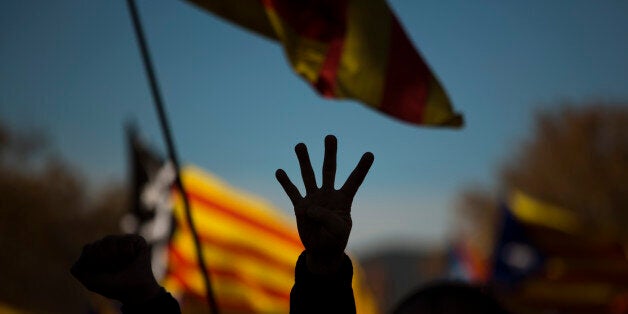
(546, 261)
(348, 49)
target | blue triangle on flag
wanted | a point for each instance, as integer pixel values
(515, 256)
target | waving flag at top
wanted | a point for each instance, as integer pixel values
(348, 49)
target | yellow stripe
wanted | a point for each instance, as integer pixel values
(252, 251)
(173, 286)
(362, 69)
(225, 228)
(209, 215)
(364, 299)
(438, 110)
(226, 289)
(202, 183)
(533, 211)
(224, 259)
(305, 55)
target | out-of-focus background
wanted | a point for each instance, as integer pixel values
(542, 87)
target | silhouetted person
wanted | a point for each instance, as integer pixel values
(118, 267)
(323, 273)
(449, 297)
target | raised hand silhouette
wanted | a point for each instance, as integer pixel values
(117, 267)
(324, 214)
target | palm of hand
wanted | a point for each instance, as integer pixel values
(324, 236)
(324, 214)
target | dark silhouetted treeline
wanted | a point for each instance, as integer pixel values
(46, 215)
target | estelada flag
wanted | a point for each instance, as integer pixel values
(547, 261)
(353, 49)
(250, 248)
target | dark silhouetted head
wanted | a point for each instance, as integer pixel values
(450, 298)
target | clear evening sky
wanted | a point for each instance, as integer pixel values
(72, 68)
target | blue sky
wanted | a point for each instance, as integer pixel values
(72, 68)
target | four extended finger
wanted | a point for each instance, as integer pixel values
(309, 180)
(358, 174)
(290, 189)
(329, 163)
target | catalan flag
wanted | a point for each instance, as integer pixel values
(250, 247)
(548, 263)
(348, 49)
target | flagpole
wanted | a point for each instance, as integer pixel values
(154, 87)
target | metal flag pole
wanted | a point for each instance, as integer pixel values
(154, 87)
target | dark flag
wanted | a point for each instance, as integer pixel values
(151, 215)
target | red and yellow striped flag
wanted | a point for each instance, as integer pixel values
(250, 248)
(349, 49)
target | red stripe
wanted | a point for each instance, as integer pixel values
(407, 78)
(327, 77)
(213, 207)
(178, 277)
(187, 265)
(321, 20)
(247, 252)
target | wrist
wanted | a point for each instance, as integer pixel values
(341, 277)
(161, 302)
(323, 264)
(144, 293)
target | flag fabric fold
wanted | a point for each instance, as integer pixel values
(349, 49)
